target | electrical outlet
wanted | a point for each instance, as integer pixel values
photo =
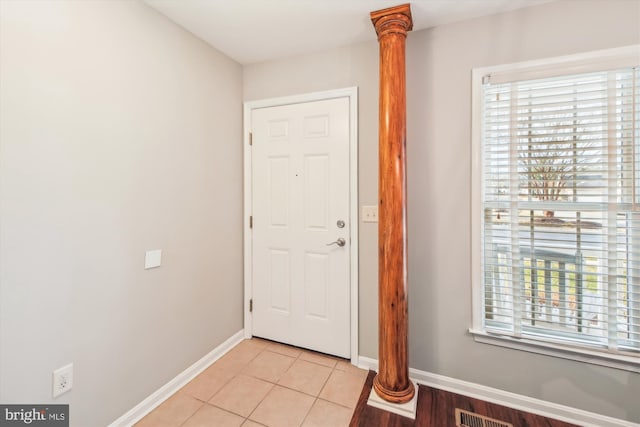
(62, 380)
(369, 214)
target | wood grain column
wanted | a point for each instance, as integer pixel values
(392, 382)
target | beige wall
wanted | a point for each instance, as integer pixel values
(439, 64)
(120, 132)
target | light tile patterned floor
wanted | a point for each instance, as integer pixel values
(262, 383)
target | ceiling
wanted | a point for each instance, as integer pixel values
(252, 31)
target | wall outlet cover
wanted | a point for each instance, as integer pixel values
(62, 380)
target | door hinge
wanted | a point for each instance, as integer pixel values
(250, 138)
(251, 221)
(251, 305)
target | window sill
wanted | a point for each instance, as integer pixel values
(616, 361)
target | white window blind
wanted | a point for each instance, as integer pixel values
(561, 209)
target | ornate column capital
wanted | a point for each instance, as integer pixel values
(393, 20)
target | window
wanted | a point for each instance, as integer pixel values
(557, 205)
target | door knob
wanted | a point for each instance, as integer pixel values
(339, 242)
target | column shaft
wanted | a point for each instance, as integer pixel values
(392, 382)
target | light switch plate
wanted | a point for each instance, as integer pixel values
(369, 214)
(153, 259)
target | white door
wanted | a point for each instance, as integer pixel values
(300, 188)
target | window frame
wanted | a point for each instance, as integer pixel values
(564, 65)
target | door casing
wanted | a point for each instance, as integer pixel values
(352, 94)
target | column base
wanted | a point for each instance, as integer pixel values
(407, 409)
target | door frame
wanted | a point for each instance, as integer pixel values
(249, 106)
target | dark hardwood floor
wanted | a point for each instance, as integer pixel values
(436, 408)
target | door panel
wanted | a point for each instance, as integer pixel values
(300, 188)
(279, 191)
(316, 192)
(316, 285)
(279, 281)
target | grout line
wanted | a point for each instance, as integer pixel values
(326, 381)
(261, 400)
(191, 416)
(309, 411)
(263, 397)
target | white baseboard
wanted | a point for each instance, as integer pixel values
(167, 390)
(367, 363)
(505, 398)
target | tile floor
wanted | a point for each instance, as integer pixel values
(262, 383)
